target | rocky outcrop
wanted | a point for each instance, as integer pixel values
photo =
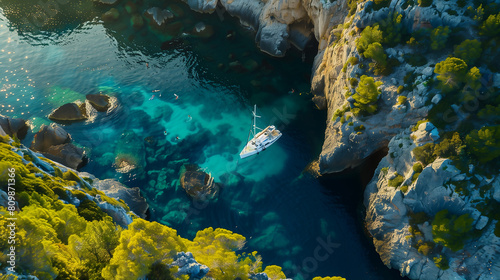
(14, 127)
(281, 23)
(187, 265)
(130, 154)
(55, 143)
(69, 112)
(436, 188)
(131, 196)
(100, 102)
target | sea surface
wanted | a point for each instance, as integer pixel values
(195, 80)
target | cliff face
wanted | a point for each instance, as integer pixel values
(281, 23)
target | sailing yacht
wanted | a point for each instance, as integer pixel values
(260, 141)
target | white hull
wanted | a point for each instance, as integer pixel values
(261, 141)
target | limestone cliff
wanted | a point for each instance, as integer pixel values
(281, 23)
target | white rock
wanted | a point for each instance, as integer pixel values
(428, 71)
(436, 98)
(483, 221)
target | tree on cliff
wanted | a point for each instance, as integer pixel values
(484, 144)
(452, 72)
(469, 51)
(366, 95)
(450, 230)
(369, 36)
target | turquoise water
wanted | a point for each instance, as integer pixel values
(310, 227)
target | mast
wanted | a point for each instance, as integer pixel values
(254, 117)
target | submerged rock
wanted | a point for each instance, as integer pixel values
(203, 31)
(158, 17)
(14, 127)
(99, 101)
(198, 184)
(111, 15)
(69, 112)
(130, 154)
(137, 21)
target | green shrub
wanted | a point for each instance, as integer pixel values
(415, 59)
(379, 4)
(353, 82)
(367, 94)
(417, 167)
(425, 153)
(384, 170)
(491, 26)
(404, 188)
(450, 230)
(359, 128)
(452, 73)
(497, 229)
(369, 35)
(469, 51)
(400, 89)
(484, 144)
(342, 119)
(424, 3)
(441, 262)
(396, 181)
(461, 3)
(414, 177)
(439, 37)
(376, 52)
(392, 28)
(89, 210)
(401, 100)
(426, 248)
(350, 124)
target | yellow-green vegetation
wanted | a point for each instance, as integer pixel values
(60, 241)
(404, 188)
(469, 51)
(441, 262)
(366, 96)
(401, 100)
(452, 73)
(484, 144)
(451, 230)
(450, 147)
(396, 181)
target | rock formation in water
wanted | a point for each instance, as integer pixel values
(382, 68)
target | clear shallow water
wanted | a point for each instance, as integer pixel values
(285, 214)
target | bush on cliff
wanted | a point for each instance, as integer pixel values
(451, 73)
(369, 36)
(469, 51)
(366, 96)
(450, 230)
(484, 144)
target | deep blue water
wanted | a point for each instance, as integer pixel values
(310, 227)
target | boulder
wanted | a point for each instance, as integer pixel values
(49, 136)
(203, 31)
(69, 112)
(131, 196)
(189, 266)
(99, 101)
(111, 15)
(14, 127)
(198, 184)
(67, 154)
